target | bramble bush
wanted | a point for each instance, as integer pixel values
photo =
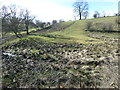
(98, 27)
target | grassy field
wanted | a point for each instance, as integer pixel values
(63, 56)
(75, 33)
(11, 33)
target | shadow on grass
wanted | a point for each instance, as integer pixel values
(55, 36)
(104, 31)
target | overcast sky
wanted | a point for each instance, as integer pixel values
(48, 10)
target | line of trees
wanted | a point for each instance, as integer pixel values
(81, 8)
(15, 19)
(98, 14)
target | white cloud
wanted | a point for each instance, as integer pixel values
(83, 0)
(44, 10)
(50, 11)
(101, 0)
(47, 10)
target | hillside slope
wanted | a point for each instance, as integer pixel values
(65, 56)
(73, 32)
(76, 33)
(77, 30)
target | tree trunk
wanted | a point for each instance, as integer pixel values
(27, 30)
(16, 34)
(80, 16)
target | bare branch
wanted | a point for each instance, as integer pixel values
(80, 7)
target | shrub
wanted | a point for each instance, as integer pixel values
(107, 26)
(117, 20)
(88, 25)
(104, 27)
(98, 26)
(110, 26)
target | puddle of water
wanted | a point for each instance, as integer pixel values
(9, 54)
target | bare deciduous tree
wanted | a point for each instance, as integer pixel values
(48, 23)
(4, 14)
(40, 23)
(85, 14)
(11, 19)
(54, 21)
(104, 14)
(27, 19)
(96, 15)
(80, 7)
(14, 19)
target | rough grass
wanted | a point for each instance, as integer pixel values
(77, 34)
(74, 33)
(11, 33)
(66, 58)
